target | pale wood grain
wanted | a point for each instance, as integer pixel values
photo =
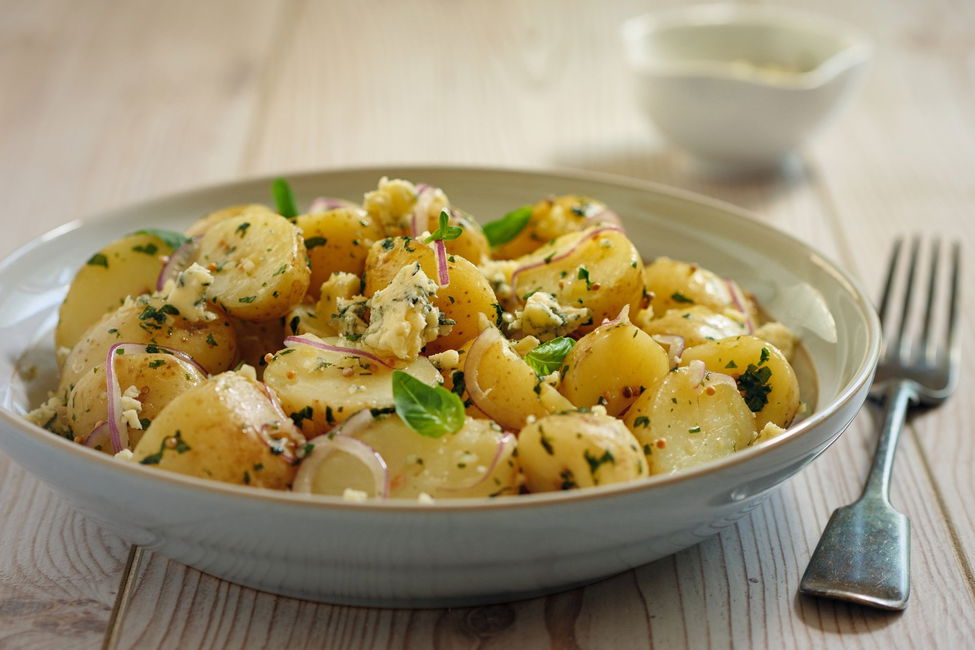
(343, 83)
(103, 103)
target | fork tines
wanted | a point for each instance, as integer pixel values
(912, 334)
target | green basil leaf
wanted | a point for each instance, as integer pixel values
(444, 232)
(284, 199)
(507, 227)
(548, 357)
(172, 239)
(431, 411)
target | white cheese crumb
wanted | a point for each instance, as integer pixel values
(125, 454)
(187, 293)
(598, 409)
(402, 317)
(446, 360)
(423, 497)
(46, 412)
(62, 354)
(357, 496)
(546, 319)
(498, 274)
(248, 371)
(247, 265)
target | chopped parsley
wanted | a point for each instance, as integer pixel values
(175, 442)
(98, 259)
(584, 275)
(304, 414)
(677, 296)
(171, 238)
(247, 299)
(595, 462)
(242, 228)
(212, 342)
(641, 421)
(313, 242)
(753, 384)
(148, 249)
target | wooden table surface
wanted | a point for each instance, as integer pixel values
(103, 103)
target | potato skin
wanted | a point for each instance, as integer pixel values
(573, 450)
(259, 265)
(612, 365)
(733, 356)
(451, 466)
(602, 273)
(468, 295)
(223, 430)
(337, 241)
(695, 324)
(202, 225)
(127, 267)
(159, 378)
(678, 285)
(212, 344)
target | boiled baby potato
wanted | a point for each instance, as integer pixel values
(678, 285)
(472, 245)
(337, 241)
(150, 320)
(767, 381)
(226, 429)
(321, 388)
(259, 265)
(695, 324)
(200, 226)
(553, 217)
(476, 461)
(573, 450)
(504, 387)
(685, 421)
(597, 268)
(464, 300)
(126, 267)
(612, 365)
(158, 377)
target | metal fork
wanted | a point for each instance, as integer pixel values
(864, 553)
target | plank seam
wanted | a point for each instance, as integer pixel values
(122, 598)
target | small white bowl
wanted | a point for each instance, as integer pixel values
(741, 86)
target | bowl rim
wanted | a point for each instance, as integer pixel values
(856, 50)
(862, 374)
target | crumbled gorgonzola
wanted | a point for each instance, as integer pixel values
(187, 293)
(402, 317)
(543, 317)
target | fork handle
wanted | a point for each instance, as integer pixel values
(896, 400)
(864, 554)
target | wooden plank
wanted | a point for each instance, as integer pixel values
(103, 103)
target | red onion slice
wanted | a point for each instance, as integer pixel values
(179, 260)
(443, 276)
(292, 341)
(326, 203)
(696, 372)
(675, 347)
(118, 430)
(354, 424)
(624, 315)
(718, 378)
(503, 442)
(741, 303)
(421, 210)
(548, 260)
(325, 445)
(99, 437)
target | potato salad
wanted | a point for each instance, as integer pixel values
(397, 348)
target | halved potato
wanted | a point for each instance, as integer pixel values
(321, 388)
(478, 460)
(226, 429)
(158, 377)
(684, 422)
(596, 268)
(573, 450)
(768, 383)
(259, 265)
(149, 321)
(612, 365)
(553, 217)
(126, 267)
(337, 241)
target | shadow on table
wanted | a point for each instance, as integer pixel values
(663, 165)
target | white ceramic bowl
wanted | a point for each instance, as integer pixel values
(405, 553)
(741, 85)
